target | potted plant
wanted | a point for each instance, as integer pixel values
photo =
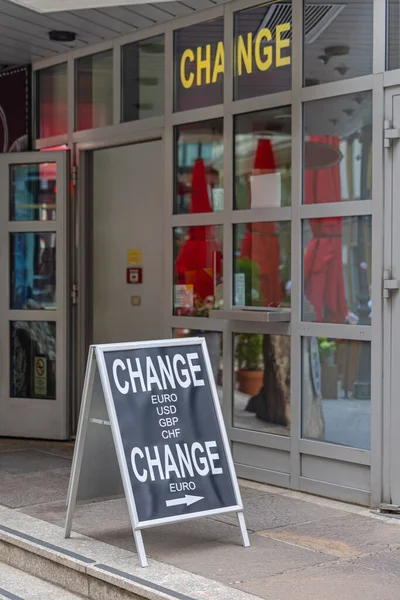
(249, 361)
(329, 371)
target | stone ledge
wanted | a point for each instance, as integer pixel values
(96, 570)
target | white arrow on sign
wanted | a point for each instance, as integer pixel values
(188, 500)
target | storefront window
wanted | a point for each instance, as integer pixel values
(338, 149)
(143, 79)
(33, 359)
(33, 192)
(94, 98)
(263, 54)
(263, 159)
(262, 383)
(199, 163)
(199, 59)
(262, 264)
(214, 346)
(33, 271)
(337, 40)
(393, 34)
(198, 272)
(52, 101)
(337, 270)
(336, 384)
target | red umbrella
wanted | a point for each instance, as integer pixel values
(199, 259)
(323, 266)
(261, 243)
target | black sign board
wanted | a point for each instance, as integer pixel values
(168, 432)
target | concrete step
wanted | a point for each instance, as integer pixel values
(94, 570)
(18, 585)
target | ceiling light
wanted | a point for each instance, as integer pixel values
(45, 6)
(62, 36)
(337, 50)
(342, 70)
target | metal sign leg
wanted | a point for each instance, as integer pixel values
(80, 443)
(243, 529)
(140, 548)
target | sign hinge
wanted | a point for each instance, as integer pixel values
(74, 293)
(389, 284)
(390, 134)
(74, 175)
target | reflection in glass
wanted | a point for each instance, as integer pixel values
(33, 271)
(263, 160)
(336, 382)
(94, 97)
(199, 65)
(338, 149)
(143, 79)
(52, 101)
(337, 40)
(337, 270)
(214, 346)
(198, 270)
(199, 158)
(393, 35)
(33, 359)
(262, 383)
(33, 192)
(263, 39)
(262, 264)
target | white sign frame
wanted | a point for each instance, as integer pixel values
(95, 362)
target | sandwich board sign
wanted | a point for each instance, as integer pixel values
(151, 428)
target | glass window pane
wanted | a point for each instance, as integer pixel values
(263, 54)
(337, 40)
(33, 271)
(143, 79)
(262, 264)
(263, 159)
(393, 35)
(338, 149)
(52, 101)
(94, 98)
(214, 346)
(198, 273)
(337, 270)
(199, 65)
(33, 192)
(262, 383)
(33, 359)
(199, 156)
(336, 381)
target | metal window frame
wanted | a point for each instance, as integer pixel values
(144, 130)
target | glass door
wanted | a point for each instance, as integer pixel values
(34, 295)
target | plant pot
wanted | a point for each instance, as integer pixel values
(250, 382)
(329, 381)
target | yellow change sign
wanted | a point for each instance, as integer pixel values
(252, 53)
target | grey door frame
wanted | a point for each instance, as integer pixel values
(27, 417)
(391, 306)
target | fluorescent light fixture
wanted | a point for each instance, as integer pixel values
(46, 6)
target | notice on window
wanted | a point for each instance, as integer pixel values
(40, 376)
(183, 296)
(240, 289)
(266, 190)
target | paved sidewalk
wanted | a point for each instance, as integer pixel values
(301, 546)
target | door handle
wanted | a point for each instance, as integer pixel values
(389, 284)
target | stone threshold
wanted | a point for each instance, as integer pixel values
(97, 570)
